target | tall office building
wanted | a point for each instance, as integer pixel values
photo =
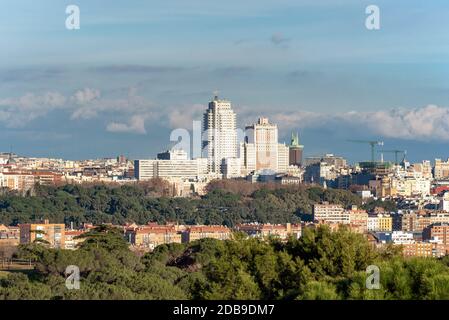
(282, 158)
(219, 134)
(261, 150)
(264, 136)
(296, 151)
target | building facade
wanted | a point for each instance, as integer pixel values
(219, 134)
(51, 233)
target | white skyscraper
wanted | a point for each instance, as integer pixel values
(264, 136)
(261, 150)
(219, 134)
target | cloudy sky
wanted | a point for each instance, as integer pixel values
(136, 70)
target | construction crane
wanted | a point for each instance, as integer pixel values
(396, 152)
(372, 143)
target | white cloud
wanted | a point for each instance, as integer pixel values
(92, 105)
(429, 122)
(426, 123)
(136, 124)
(85, 95)
(184, 116)
(16, 112)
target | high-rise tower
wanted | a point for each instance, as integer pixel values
(219, 134)
(264, 136)
(296, 150)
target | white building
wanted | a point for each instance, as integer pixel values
(372, 223)
(231, 168)
(331, 213)
(181, 168)
(264, 136)
(283, 158)
(261, 150)
(444, 202)
(173, 154)
(219, 134)
(401, 237)
(248, 158)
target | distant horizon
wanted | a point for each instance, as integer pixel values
(134, 72)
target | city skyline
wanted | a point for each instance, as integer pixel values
(130, 75)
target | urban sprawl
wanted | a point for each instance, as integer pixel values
(420, 191)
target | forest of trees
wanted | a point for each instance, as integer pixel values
(226, 202)
(320, 265)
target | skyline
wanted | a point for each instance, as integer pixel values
(133, 73)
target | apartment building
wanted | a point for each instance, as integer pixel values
(401, 237)
(152, 235)
(330, 213)
(417, 221)
(280, 231)
(424, 249)
(71, 242)
(438, 232)
(193, 233)
(358, 219)
(441, 169)
(9, 236)
(380, 222)
(51, 233)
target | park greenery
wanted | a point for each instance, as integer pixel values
(227, 202)
(320, 265)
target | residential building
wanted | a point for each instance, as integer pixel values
(441, 169)
(417, 221)
(193, 233)
(71, 242)
(330, 213)
(280, 231)
(9, 237)
(401, 237)
(51, 233)
(437, 231)
(424, 249)
(358, 219)
(444, 202)
(152, 235)
(380, 222)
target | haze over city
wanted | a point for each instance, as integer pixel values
(130, 75)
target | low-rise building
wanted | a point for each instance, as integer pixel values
(358, 219)
(71, 242)
(438, 231)
(330, 213)
(193, 233)
(9, 238)
(153, 235)
(280, 231)
(380, 222)
(51, 233)
(424, 249)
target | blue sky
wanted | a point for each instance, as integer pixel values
(138, 69)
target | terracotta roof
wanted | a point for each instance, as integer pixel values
(208, 229)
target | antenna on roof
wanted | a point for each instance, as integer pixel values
(216, 93)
